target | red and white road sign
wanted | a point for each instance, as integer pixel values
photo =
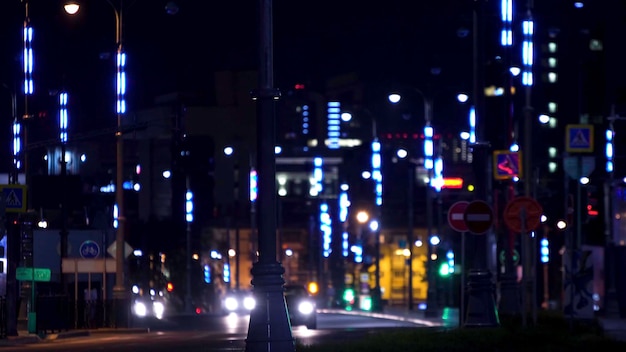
(478, 217)
(456, 215)
(527, 207)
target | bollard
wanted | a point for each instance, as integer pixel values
(481, 305)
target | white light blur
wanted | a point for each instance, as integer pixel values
(394, 98)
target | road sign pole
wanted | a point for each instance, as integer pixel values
(481, 305)
(462, 306)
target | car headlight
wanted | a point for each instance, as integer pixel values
(230, 303)
(306, 307)
(158, 309)
(140, 309)
(249, 303)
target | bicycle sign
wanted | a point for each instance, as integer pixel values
(89, 250)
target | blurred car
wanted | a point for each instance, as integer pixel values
(146, 306)
(301, 306)
(238, 301)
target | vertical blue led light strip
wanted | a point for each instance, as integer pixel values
(121, 83)
(63, 118)
(305, 120)
(437, 181)
(527, 52)
(326, 229)
(472, 124)
(377, 175)
(506, 36)
(253, 185)
(344, 204)
(28, 58)
(116, 213)
(428, 147)
(608, 152)
(17, 144)
(189, 206)
(333, 122)
(318, 175)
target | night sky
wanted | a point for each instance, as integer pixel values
(390, 44)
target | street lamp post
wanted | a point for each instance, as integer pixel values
(269, 329)
(119, 290)
(431, 296)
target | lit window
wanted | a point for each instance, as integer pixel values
(552, 167)
(552, 152)
(552, 62)
(552, 77)
(552, 47)
(553, 107)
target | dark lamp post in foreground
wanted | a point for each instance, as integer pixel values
(269, 329)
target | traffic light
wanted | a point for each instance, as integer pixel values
(349, 296)
(545, 250)
(447, 267)
(170, 287)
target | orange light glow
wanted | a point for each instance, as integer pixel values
(452, 182)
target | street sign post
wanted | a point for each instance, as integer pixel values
(512, 214)
(456, 216)
(478, 217)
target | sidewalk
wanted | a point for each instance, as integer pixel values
(24, 337)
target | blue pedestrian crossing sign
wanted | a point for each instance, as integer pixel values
(14, 197)
(579, 139)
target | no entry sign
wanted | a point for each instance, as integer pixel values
(456, 215)
(478, 217)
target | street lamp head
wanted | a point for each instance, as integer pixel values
(71, 7)
(462, 97)
(362, 217)
(402, 153)
(394, 98)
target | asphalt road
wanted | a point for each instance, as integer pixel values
(209, 333)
